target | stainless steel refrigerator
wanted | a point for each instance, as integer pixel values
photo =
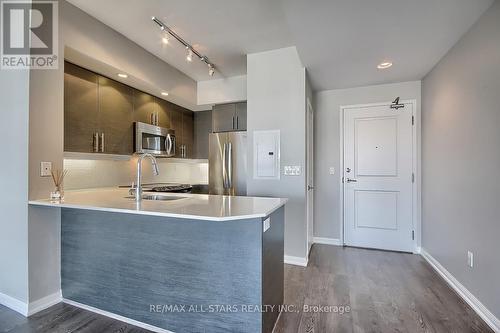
(228, 163)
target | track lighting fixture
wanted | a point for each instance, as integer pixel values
(190, 50)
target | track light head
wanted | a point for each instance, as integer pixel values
(211, 70)
(189, 56)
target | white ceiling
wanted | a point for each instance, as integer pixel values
(340, 42)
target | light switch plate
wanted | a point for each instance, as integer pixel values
(332, 170)
(45, 169)
(292, 170)
(267, 224)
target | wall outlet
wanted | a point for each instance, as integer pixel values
(470, 259)
(332, 170)
(292, 170)
(45, 169)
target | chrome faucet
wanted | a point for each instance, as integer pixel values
(137, 191)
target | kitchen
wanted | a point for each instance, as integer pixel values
(216, 167)
(113, 125)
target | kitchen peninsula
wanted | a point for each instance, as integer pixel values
(187, 263)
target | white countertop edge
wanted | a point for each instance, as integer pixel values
(159, 214)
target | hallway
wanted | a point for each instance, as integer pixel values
(386, 292)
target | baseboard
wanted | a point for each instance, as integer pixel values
(460, 289)
(117, 317)
(327, 241)
(297, 261)
(14, 304)
(44, 303)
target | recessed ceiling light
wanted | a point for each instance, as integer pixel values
(384, 65)
(164, 93)
(165, 40)
(122, 75)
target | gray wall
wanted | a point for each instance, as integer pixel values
(14, 92)
(202, 128)
(461, 159)
(276, 90)
(327, 140)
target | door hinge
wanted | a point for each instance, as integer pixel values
(413, 234)
(412, 177)
(412, 120)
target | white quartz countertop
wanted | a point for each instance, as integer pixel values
(190, 206)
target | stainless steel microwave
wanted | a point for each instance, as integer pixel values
(155, 140)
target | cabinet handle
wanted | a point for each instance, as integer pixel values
(96, 142)
(237, 122)
(233, 122)
(102, 142)
(152, 118)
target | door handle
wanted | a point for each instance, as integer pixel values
(96, 142)
(230, 164)
(169, 144)
(224, 166)
(309, 187)
(349, 180)
(102, 142)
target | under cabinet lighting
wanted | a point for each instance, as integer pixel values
(122, 75)
(164, 93)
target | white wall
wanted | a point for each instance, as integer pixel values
(276, 90)
(461, 160)
(327, 140)
(14, 115)
(227, 90)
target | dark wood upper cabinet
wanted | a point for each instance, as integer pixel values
(229, 117)
(80, 109)
(163, 109)
(188, 132)
(176, 124)
(96, 105)
(223, 118)
(144, 106)
(116, 117)
(241, 116)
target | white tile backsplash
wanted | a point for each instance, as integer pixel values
(83, 173)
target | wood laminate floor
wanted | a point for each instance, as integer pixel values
(386, 292)
(379, 292)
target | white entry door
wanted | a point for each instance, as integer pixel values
(378, 177)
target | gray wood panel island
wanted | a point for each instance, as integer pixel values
(200, 263)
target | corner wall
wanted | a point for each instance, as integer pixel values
(461, 160)
(276, 90)
(14, 92)
(327, 222)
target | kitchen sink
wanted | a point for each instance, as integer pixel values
(156, 197)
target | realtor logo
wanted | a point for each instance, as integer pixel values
(29, 34)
